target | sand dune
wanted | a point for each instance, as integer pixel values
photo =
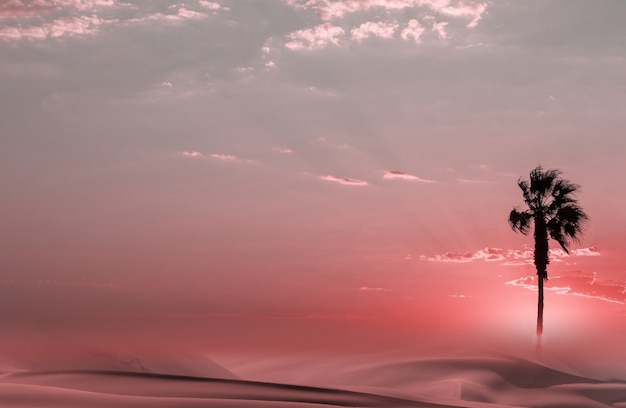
(477, 382)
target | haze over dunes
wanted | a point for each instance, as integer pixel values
(478, 381)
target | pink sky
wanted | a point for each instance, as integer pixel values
(305, 175)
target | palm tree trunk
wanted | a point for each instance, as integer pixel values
(540, 307)
(538, 346)
(541, 262)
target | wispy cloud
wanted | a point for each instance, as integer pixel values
(321, 92)
(191, 154)
(591, 251)
(413, 30)
(440, 28)
(282, 150)
(225, 157)
(341, 31)
(586, 285)
(213, 6)
(231, 158)
(459, 296)
(84, 5)
(375, 29)
(76, 18)
(316, 37)
(469, 9)
(398, 175)
(471, 181)
(18, 8)
(181, 14)
(509, 256)
(369, 289)
(61, 27)
(331, 9)
(345, 180)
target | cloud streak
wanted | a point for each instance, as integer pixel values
(24, 8)
(374, 29)
(398, 175)
(509, 256)
(413, 30)
(224, 157)
(578, 285)
(333, 10)
(345, 181)
(191, 154)
(369, 289)
(337, 30)
(213, 6)
(61, 27)
(74, 18)
(315, 38)
(282, 150)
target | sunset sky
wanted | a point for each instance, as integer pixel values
(305, 174)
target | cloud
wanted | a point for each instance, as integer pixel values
(380, 29)
(55, 19)
(471, 181)
(578, 285)
(440, 28)
(345, 180)
(282, 150)
(181, 14)
(19, 8)
(511, 257)
(64, 18)
(368, 289)
(213, 6)
(471, 9)
(591, 251)
(191, 154)
(398, 175)
(84, 5)
(413, 30)
(184, 13)
(230, 158)
(332, 10)
(316, 37)
(61, 27)
(226, 157)
(329, 9)
(334, 31)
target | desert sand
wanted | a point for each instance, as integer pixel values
(192, 380)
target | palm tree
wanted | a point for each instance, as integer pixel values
(554, 211)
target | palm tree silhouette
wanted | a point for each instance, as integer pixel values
(554, 211)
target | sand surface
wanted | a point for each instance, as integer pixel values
(110, 380)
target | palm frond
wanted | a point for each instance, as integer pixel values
(520, 220)
(567, 224)
(528, 197)
(542, 182)
(562, 194)
(573, 219)
(556, 233)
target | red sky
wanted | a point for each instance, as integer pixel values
(327, 176)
